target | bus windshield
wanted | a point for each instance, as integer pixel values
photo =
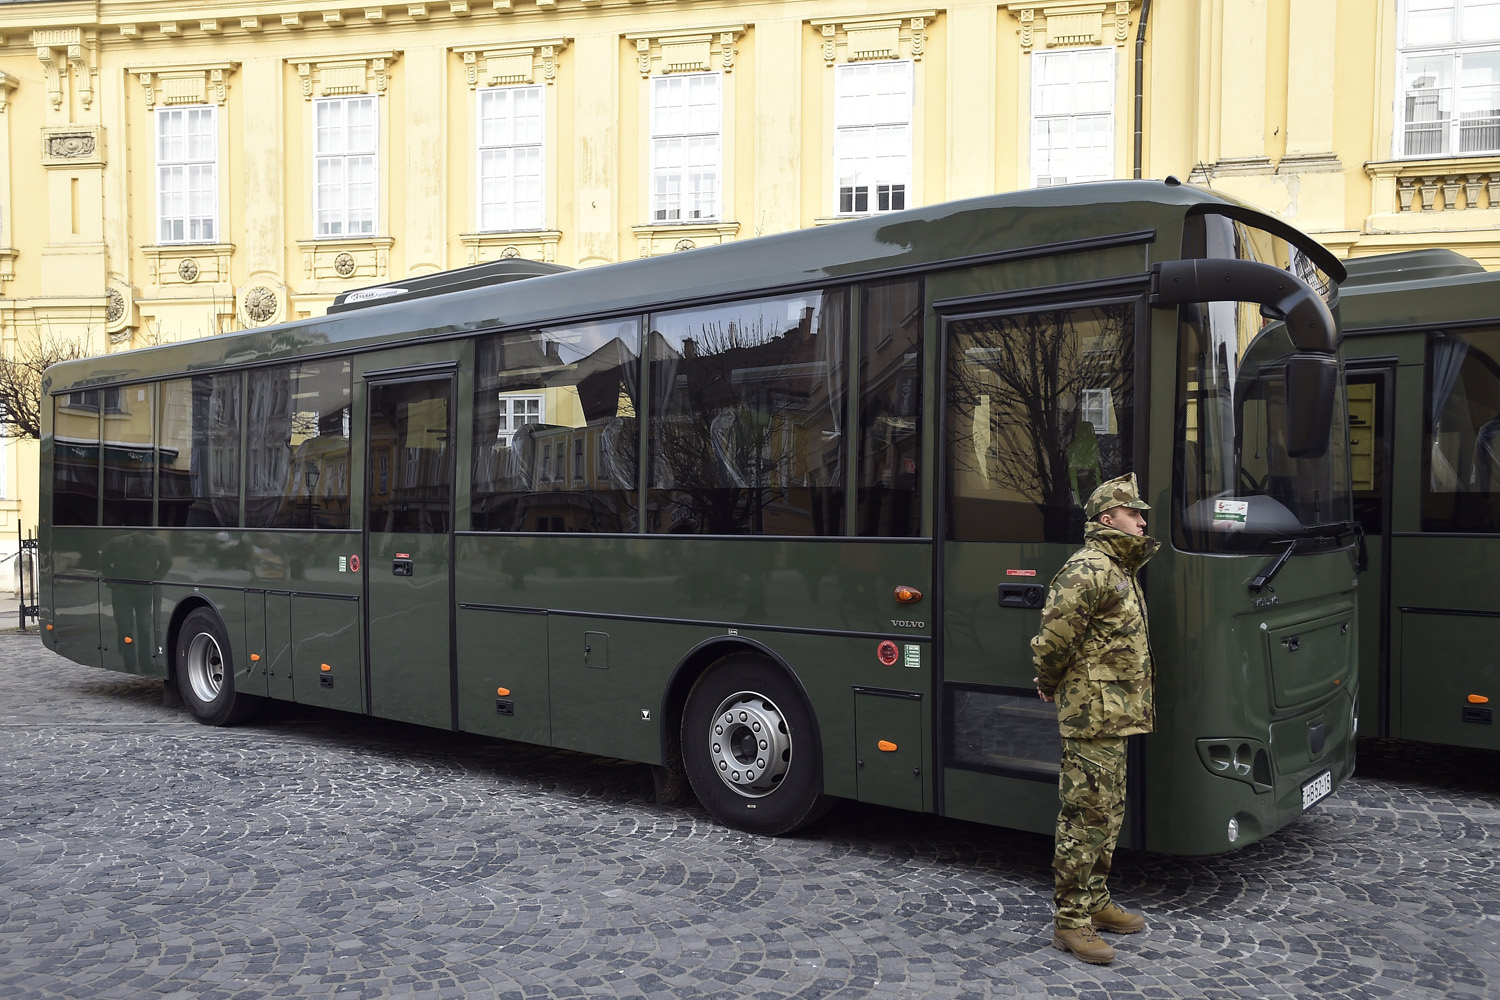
(1237, 486)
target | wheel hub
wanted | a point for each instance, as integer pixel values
(205, 667)
(749, 744)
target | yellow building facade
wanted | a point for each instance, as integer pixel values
(179, 170)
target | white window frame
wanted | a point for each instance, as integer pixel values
(1471, 34)
(1095, 406)
(872, 136)
(345, 219)
(518, 404)
(1066, 104)
(199, 175)
(500, 150)
(680, 146)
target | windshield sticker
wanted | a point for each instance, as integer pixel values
(1231, 510)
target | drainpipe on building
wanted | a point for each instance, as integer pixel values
(1140, 79)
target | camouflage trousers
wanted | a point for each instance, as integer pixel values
(1092, 789)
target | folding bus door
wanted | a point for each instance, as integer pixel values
(409, 471)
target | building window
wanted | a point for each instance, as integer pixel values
(1072, 116)
(686, 119)
(872, 136)
(1449, 78)
(187, 174)
(344, 163)
(510, 158)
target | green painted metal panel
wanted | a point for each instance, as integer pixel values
(1307, 657)
(278, 647)
(500, 650)
(258, 679)
(128, 616)
(889, 748)
(1018, 803)
(1446, 658)
(326, 631)
(409, 638)
(75, 619)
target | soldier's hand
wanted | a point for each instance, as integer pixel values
(1039, 692)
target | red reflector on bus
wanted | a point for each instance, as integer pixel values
(1478, 699)
(886, 745)
(887, 653)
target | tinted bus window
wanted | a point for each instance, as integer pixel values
(1461, 481)
(129, 458)
(75, 458)
(411, 461)
(555, 431)
(746, 430)
(890, 410)
(297, 461)
(199, 482)
(1041, 410)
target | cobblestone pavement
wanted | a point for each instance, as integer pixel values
(317, 854)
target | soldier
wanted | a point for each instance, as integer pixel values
(1093, 656)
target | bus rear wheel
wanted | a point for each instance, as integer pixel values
(205, 672)
(750, 747)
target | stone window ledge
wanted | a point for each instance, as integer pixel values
(665, 238)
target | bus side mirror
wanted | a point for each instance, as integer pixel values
(1312, 382)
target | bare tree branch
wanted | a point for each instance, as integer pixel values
(21, 379)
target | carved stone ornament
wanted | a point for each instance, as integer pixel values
(684, 245)
(510, 252)
(114, 306)
(187, 269)
(875, 37)
(260, 304)
(690, 51)
(72, 145)
(343, 264)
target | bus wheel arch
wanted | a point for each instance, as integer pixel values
(749, 740)
(201, 665)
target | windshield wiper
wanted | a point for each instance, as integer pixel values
(1269, 570)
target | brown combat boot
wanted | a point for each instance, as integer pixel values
(1117, 921)
(1084, 942)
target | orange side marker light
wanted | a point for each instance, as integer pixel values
(325, 668)
(908, 595)
(886, 745)
(254, 657)
(49, 628)
(1478, 699)
(503, 692)
(128, 640)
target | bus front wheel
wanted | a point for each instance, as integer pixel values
(205, 672)
(750, 747)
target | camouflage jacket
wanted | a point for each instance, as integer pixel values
(1093, 653)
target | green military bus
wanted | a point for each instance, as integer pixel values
(1423, 341)
(775, 517)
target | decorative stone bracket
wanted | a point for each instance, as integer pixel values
(1072, 22)
(205, 83)
(343, 259)
(691, 51)
(481, 248)
(1447, 185)
(188, 263)
(871, 38)
(7, 84)
(64, 52)
(345, 74)
(511, 63)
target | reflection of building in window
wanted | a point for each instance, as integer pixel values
(1094, 407)
(1461, 491)
(1449, 78)
(515, 412)
(872, 136)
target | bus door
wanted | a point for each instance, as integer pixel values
(1038, 407)
(409, 483)
(1371, 395)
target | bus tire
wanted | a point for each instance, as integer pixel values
(204, 668)
(750, 747)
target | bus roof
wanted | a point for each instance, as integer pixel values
(1417, 288)
(1022, 223)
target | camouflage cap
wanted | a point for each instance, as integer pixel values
(1118, 492)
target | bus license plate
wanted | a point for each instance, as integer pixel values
(1317, 789)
